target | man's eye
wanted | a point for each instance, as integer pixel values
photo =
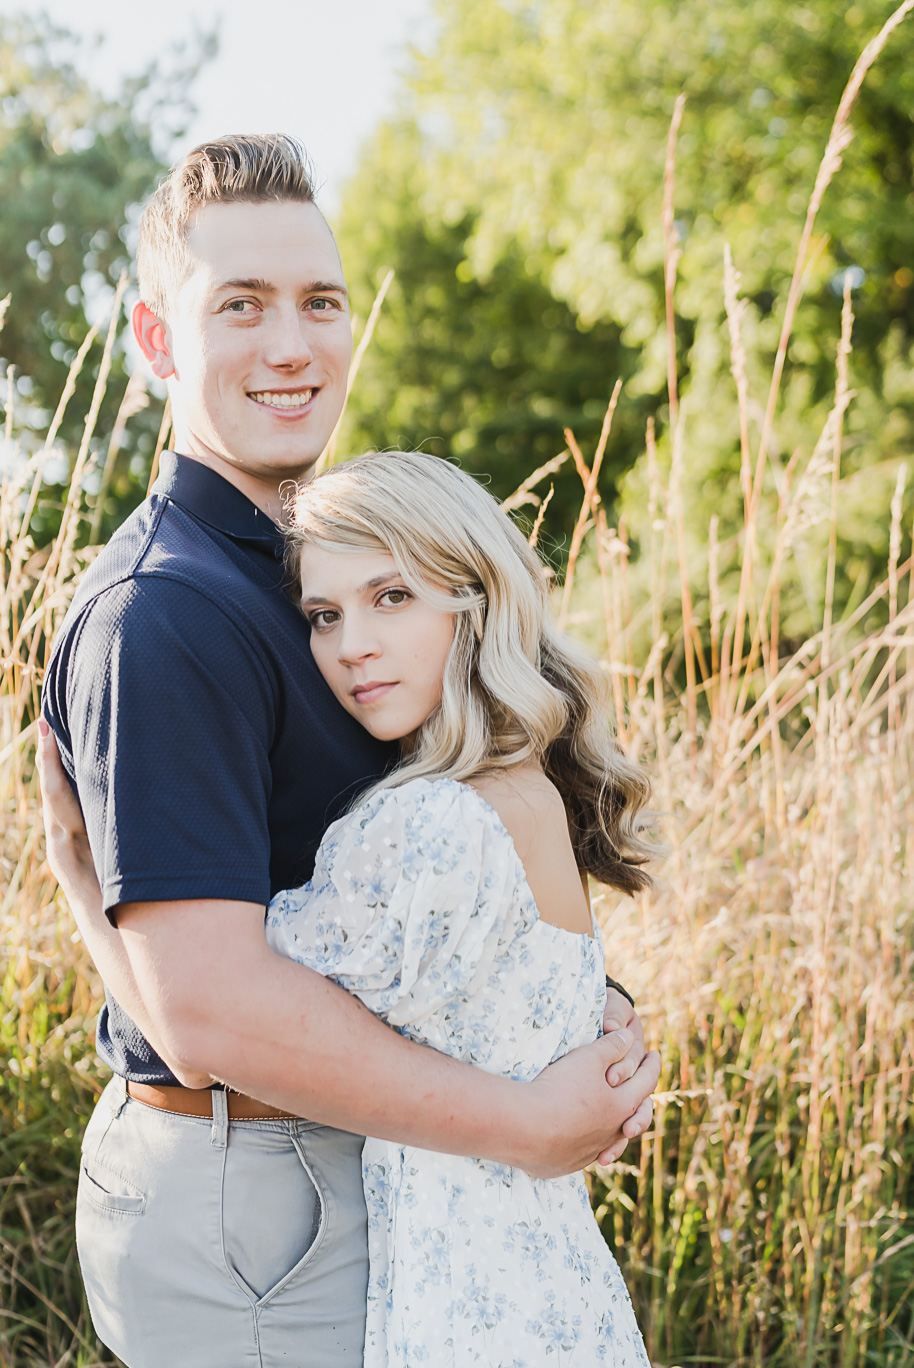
(238, 306)
(322, 305)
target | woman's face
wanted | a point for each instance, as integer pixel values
(381, 649)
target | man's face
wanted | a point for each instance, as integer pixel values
(260, 338)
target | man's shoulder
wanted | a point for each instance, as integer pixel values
(160, 579)
(157, 556)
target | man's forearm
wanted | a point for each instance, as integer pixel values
(280, 1032)
(288, 1036)
(106, 948)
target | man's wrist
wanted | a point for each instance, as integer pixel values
(611, 983)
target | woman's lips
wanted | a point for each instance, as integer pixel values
(371, 692)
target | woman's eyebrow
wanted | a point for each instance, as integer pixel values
(378, 581)
(369, 584)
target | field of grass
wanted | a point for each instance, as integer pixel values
(767, 1218)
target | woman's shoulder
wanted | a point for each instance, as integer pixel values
(525, 800)
(424, 799)
(427, 804)
(522, 801)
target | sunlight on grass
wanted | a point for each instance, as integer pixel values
(765, 1220)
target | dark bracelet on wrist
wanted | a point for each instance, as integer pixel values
(611, 983)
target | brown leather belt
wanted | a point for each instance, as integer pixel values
(199, 1102)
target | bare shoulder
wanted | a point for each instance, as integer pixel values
(534, 816)
(529, 804)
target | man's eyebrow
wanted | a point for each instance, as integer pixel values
(325, 287)
(249, 283)
(264, 287)
(369, 584)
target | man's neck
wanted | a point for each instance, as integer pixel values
(271, 498)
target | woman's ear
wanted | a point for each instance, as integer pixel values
(152, 335)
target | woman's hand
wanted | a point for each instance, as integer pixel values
(69, 856)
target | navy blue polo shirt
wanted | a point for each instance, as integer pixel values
(208, 753)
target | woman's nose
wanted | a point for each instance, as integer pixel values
(357, 641)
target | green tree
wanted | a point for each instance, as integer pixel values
(538, 135)
(73, 163)
(488, 371)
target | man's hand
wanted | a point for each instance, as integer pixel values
(621, 1015)
(581, 1119)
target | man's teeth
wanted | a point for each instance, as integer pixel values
(283, 400)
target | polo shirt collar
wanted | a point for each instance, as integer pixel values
(215, 501)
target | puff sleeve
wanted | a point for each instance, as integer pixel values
(413, 900)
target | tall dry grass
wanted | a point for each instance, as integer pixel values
(766, 1218)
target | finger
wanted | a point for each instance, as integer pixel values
(627, 1067)
(611, 1155)
(615, 1046)
(639, 1123)
(642, 1082)
(43, 733)
(50, 768)
(617, 1013)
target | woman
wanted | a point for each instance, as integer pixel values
(450, 899)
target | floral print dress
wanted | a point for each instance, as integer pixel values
(419, 906)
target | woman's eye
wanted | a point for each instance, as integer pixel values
(324, 617)
(394, 597)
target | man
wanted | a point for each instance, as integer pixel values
(215, 1229)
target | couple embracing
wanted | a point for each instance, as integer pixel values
(340, 782)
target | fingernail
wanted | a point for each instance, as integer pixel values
(43, 727)
(624, 1036)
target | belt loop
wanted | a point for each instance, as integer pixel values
(219, 1138)
(119, 1096)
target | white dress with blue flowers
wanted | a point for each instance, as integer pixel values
(419, 907)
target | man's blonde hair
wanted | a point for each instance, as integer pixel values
(239, 168)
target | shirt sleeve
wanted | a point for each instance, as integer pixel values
(412, 901)
(171, 715)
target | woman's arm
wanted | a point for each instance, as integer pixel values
(71, 863)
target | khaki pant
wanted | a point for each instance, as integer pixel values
(209, 1243)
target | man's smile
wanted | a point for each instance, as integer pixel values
(282, 399)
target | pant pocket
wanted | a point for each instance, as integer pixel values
(108, 1190)
(271, 1209)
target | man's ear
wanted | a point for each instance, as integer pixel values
(150, 332)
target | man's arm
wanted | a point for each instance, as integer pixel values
(70, 859)
(325, 1054)
(223, 1002)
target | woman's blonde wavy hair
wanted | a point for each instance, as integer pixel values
(514, 689)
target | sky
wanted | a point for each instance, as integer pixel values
(325, 71)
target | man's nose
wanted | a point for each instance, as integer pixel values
(288, 347)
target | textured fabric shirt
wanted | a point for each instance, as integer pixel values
(208, 754)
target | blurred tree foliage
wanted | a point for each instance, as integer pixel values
(73, 164)
(489, 369)
(522, 183)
